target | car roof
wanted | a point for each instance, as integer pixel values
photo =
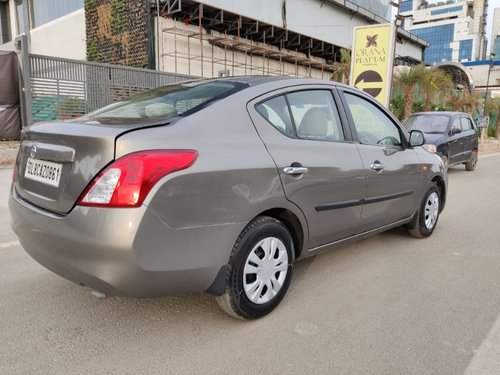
(440, 113)
(252, 80)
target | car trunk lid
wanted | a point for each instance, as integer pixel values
(57, 161)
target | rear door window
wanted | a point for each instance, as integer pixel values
(309, 114)
(276, 111)
(465, 124)
(315, 115)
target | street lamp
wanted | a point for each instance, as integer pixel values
(484, 131)
(492, 56)
(398, 22)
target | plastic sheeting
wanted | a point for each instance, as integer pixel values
(10, 119)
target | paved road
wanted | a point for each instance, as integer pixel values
(386, 305)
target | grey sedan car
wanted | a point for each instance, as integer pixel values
(218, 186)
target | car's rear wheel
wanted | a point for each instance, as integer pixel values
(260, 272)
(471, 164)
(427, 216)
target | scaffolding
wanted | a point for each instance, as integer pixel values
(220, 43)
(253, 58)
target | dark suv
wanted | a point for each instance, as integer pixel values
(453, 133)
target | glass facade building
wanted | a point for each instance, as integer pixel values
(406, 6)
(465, 51)
(496, 48)
(440, 39)
(454, 28)
(437, 12)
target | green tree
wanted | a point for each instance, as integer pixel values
(408, 79)
(342, 68)
(493, 108)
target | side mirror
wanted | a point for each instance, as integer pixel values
(456, 131)
(416, 138)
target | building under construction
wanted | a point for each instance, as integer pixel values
(272, 37)
(220, 37)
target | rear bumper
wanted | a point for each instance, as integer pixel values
(123, 251)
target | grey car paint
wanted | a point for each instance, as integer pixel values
(396, 191)
(335, 176)
(180, 239)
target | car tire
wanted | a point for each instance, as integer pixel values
(471, 164)
(260, 269)
(426, 218)
(445, 162)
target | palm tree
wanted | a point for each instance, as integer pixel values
(342, 68)
(463, 101)
(433, 81)
(409, 78)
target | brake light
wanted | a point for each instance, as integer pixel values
(128, 180)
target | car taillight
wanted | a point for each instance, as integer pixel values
(128, 180)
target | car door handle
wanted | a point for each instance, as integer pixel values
(295, 170)
(377, 166)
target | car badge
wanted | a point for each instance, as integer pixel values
(33, 152)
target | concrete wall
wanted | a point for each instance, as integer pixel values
(407, 48)
(480, 75)
(63, 37)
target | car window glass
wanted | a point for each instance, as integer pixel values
(456, 124)
(315, 115)
(465, 124)
(276, 111)
(181, 99)
(372, 125)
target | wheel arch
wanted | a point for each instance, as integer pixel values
(438, 180)
(293, 224)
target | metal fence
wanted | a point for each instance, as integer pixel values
(62, 88)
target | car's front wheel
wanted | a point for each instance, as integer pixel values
(445, 162)
(261, 266)
(427, 216)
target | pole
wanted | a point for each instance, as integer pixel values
(485, 113)
(158, 56)
(26, 22)
(398, 5)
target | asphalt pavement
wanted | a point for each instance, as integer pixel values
(390, 304)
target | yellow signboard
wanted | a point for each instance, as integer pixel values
(372, 60)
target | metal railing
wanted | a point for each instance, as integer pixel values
(63, 88)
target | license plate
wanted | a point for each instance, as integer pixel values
(43, 171)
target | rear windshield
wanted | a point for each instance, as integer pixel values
(164, 102)
(427, 123)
